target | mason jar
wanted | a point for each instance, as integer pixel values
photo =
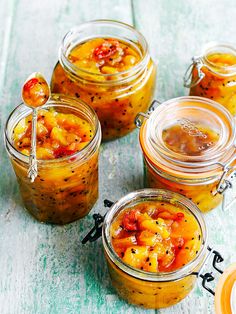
(188, 145)
(148, 289)
(213, 75)
(116, 97)
(65, 188)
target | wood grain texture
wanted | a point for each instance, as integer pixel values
(45, 269)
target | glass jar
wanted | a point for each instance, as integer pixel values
(146, 289)
(201, 173)
(66, 188)
(213, 75)
(117, 97)
(162, 289)
(225, 292)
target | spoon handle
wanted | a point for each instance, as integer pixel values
(33, 168)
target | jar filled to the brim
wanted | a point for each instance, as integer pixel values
(68, 141)
(213, 75)
(107, 64)
(155, 243)
(188, 145)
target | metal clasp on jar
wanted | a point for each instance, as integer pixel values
(208, 277)
(96, 232)
(196, 62)
(226, 180)
(224, 183)
(141, 115)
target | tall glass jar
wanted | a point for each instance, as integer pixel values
(146, 289)
(66, 188)
(188, 145)
(116, 97)
(213, 75)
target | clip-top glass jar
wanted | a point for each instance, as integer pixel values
(137, 231)
(213, 75)
(116, 91)
(188, 145)
(153, 289)
(66, 188)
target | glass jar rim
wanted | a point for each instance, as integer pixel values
(206, 165)
(215, 47)
(70, 67)
(55, 100)
(148, 194)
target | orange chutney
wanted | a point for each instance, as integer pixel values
(156, 237)
(58, 134)
(113, 75)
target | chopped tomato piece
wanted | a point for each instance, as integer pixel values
(28, 85)
(179, 216)
(130, 220)
(107, 49)
(63, 152)
(178, 242)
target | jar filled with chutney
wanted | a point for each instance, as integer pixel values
(68, 140)
(156, 247)
(188, 145)
(213, 75)
(155, 242)
(107, 64)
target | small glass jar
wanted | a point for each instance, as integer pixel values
(66, 188)
(203, 175)
(146, 289)
(213, 75)
(117, 97)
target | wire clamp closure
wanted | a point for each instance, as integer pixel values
(96, 232)
(208, 277)
(229, 173)
(141, 115)
(196, 63)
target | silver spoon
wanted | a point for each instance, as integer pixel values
(35, 93)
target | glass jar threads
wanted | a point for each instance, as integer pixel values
(213, 75)
(188, 145)
(107, 64)
(68, 140)
(151, 289)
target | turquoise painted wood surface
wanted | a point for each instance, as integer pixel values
(43, 268)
